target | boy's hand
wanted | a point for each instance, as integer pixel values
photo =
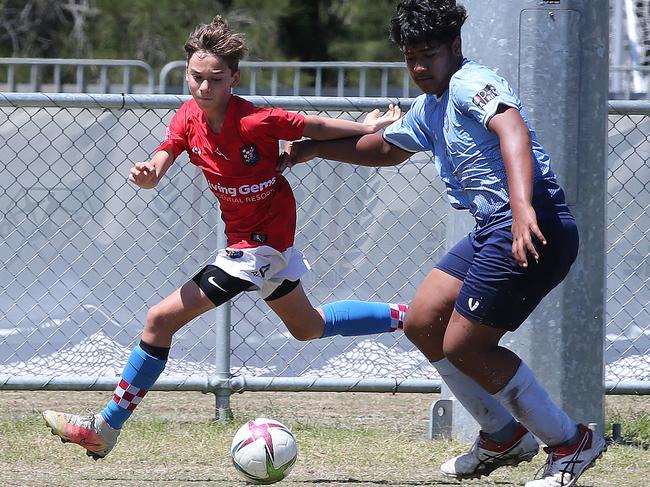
(143, 174)
(376, 121)
(294, 153)
(524, 232)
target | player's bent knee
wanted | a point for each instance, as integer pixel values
(303, 337)
(458, 351)
(159, 323)
(415, 328)
(305, 333)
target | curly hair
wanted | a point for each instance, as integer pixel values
(425, 21)
(217, 39)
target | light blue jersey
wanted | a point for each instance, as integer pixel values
(466, 154)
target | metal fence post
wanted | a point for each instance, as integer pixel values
(223, 412)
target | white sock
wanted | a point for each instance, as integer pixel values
(483, 407)
(532, 406)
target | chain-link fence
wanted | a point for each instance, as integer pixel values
(627, 348)
(84, 253)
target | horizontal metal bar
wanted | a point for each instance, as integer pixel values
(320, 64)
(628, 387)
(315, 103)
(84, 100)
(256, 384)
(74, 62)
(80, 383)
(629, 107)
(237, 384)
(326, 384)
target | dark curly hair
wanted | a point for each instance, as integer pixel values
(425, 21)
(217, 39)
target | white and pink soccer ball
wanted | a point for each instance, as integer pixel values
(264, 451)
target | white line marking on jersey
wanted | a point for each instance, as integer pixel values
(218, 152)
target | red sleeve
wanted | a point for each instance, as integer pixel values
(275, 123)
(176, 137)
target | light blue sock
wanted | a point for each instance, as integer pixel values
(140, 373)
(354, 318)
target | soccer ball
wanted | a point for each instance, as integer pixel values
(263, 451)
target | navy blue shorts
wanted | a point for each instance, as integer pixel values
(496, 290)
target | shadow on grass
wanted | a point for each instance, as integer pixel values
(389, 482)
(315, 482)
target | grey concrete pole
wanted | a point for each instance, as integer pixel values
(555, 55)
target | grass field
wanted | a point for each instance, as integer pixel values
(344, 440)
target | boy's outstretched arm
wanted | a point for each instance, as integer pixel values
(148, 174)
(326, 128)
(370, 150)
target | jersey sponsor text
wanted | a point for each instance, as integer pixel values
(244, 189)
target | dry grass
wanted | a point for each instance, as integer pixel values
(346, 440)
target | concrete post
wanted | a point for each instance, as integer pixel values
(555, 55)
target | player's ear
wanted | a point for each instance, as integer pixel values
(235, 79)
(457, 47)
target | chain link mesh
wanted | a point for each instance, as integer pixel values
(84, 253)
(627, 348)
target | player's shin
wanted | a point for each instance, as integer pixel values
(355, 318)
(493, 418)
(143, 368)
(536, 410)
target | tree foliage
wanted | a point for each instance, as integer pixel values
(155, 30)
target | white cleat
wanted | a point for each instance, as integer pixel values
(487, 455)
(565, 464)
(91, 432)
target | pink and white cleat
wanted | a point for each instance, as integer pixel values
(91, 432)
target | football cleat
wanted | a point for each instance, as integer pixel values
(565, 464)
(487, 455)
(91, 432)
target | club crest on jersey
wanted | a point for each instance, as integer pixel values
(485, 96)
(249, 155)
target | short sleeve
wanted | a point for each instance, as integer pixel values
(479, 93)
(275, 123)
(411, 132)
(176, 136)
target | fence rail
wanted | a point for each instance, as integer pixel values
(294, 78)
(79, 269)
(264, 78)
(103, 83)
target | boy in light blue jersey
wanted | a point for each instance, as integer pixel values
(523, 245)
(467, 154)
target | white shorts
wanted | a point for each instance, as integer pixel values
(263, 266)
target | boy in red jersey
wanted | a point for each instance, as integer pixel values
(236, 145)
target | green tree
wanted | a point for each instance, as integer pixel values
(155, 30)
(365, 34)
(33, 28)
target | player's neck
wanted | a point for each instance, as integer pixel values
(216, 116)
(214, 122)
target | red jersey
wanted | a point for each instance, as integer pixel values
(257, 204)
